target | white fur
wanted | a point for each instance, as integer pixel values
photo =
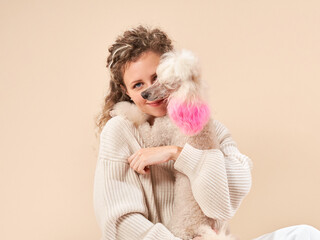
(129, 111)
(181, 70)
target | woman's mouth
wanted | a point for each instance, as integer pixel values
(156, 103)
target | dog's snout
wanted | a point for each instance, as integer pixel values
(145, 94)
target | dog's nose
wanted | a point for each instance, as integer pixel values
(145, 95)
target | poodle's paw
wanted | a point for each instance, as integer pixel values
(197, 238)
(207, 233)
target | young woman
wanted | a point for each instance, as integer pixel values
(135, 202)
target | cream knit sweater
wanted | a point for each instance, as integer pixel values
(129, 205)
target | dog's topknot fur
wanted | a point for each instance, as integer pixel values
(181, 64)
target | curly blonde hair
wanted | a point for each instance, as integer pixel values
(127, 48)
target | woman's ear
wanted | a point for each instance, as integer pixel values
(124, 90)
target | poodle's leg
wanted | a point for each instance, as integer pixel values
(207, 233)
(187, 215)
(206, 139)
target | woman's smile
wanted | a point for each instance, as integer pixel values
(156, 103)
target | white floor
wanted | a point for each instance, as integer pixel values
(297, 232)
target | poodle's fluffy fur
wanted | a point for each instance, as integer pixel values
(179, 81)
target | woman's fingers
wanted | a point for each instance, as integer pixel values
(142, 167)
(135, 162)
(130, 159)
(147, 169)
(144, 157)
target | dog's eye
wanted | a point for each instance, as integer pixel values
(155, 77)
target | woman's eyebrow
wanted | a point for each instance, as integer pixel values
(135, 81)
(152, 75)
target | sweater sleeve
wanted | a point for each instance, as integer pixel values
(119, 201)
(220, 178)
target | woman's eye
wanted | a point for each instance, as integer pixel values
(136, 85)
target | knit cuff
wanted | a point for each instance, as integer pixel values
(136, 226)
(189, 160)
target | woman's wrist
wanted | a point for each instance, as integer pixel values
(175, 152)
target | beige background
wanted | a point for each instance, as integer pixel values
(260, 58)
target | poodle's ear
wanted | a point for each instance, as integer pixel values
(129, 111)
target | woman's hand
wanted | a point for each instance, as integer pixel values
(145, 157)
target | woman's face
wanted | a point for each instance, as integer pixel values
(140, 75)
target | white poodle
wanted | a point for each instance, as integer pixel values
(188, 121)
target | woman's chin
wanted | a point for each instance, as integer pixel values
(159, 113)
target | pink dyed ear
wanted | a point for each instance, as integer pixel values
(190, 118)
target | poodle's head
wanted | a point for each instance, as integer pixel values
(178, 76)
(178, 80)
